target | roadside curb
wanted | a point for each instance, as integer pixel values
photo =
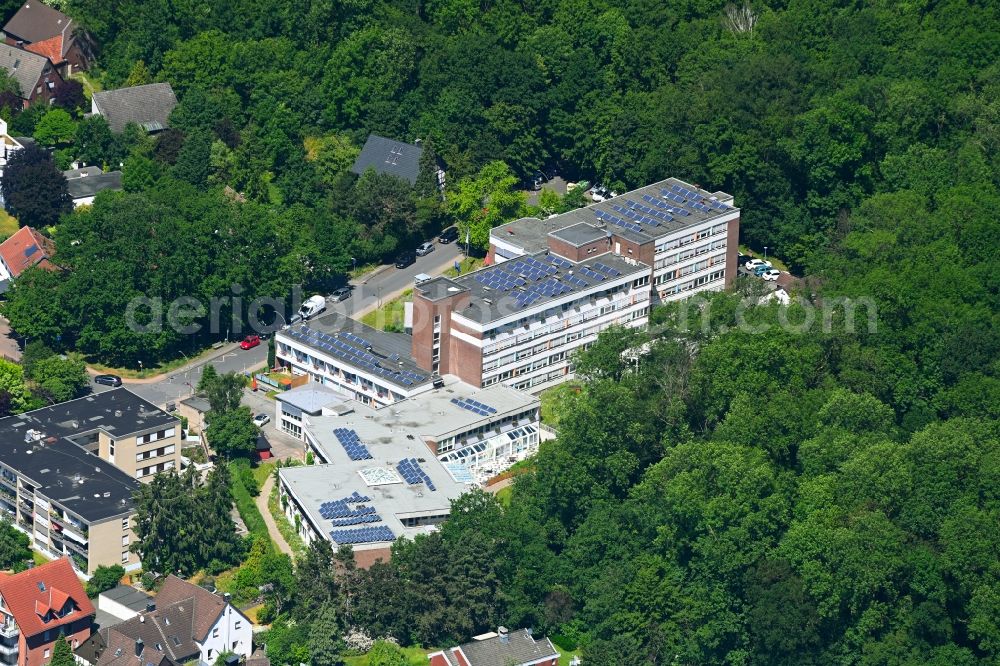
(216, 353)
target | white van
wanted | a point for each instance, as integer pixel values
(312, 307)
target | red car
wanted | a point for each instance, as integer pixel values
(250, 342)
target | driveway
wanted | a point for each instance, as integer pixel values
(9, 348)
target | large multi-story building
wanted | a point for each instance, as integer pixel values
(68, 473)
(549, 288)
(552, 285)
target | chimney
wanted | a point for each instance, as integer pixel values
(502, 632)
(227, 597)
(150, 606)
(138, 647)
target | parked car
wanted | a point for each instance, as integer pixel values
(425, 249)
(250, 342)
(405, 259)
(760, 270)
(108, 380)
(449, 235)
(341, 294)
(600, 193)
(261, 420)
(312, 306)
(752, 265)
(770, 274)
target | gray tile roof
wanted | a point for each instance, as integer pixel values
(88, 186)
(35, 21)
(387, 156)
(148, 106)
(520, 648)
(128, 596)
(26, 67)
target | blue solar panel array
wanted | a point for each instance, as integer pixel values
(614, 219)
(356, 357)
(363, 535)
(340, 513)
(356, 450)
(413, 473)
(474, 406)
(558, 261)
(693, 199)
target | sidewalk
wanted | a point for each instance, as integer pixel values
(272, 527)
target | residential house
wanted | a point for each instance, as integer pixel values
(26, 248)
(38, 606)
(499, 648)
(38, 79)
(388, 156)
(84, 184)
(41, 29)
(8, 146)
(148, 106)
(183, 623)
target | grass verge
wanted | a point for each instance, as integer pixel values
(468, 265)
(167, 366)
(389, 317)
(8, 225)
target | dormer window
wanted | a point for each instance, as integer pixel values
(41, 586)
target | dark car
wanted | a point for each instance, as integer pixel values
(108, 380)
(449, 235)
(405, 259)
(341, 294)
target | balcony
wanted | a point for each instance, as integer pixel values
(9, 630)
(8, 650)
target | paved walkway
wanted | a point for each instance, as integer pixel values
(272, 527)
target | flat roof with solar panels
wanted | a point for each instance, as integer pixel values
(381, 354)
(371, 489)
(641, 215)
(514, 286)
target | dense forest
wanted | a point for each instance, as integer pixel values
(802, 110)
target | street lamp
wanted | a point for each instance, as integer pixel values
(354, 264)
(140, 367)
(765, 252)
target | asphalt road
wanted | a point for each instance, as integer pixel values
(367, 293)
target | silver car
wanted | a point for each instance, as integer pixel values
(425, 249)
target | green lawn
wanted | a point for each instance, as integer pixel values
(415, 656)
(389, 317)
(8, 225)
(261, 472)
(555, 400)
(504, 495)
(90, 85)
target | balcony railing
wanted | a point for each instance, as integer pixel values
(9, 629)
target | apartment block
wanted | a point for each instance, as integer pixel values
(68, 473)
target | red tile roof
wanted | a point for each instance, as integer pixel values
(51, 48)
(26, 248)
(31, 594)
